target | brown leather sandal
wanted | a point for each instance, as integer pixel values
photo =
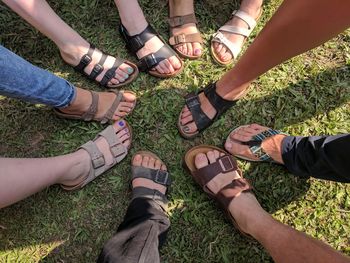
(89, 115)
(176, 40)
(225, 164)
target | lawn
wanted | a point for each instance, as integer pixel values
(308, 95)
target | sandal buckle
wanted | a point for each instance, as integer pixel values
(162, 177)
(226, 164)
(192, 100)
(179, 39)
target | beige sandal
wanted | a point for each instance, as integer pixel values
(98, 165)
(89, 115)
(234, 48)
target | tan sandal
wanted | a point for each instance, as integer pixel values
(98, 165)
(89, 115)
(223, 165)
(234, 48)
(176, 40)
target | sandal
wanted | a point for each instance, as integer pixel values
(176, 40)
(225, 164)
(148, 62)
(199, 117)
(89, 115)
(158, 176)
(234, 48)
(98, 68)
(97, 165)
(255, 145)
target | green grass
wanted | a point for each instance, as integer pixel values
(307, 95)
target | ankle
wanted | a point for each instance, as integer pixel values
(134, 26)
(252, 7)
(180, 7)
(79, 167)
(71, 52)
(273, 147)
(230, 91)
(80, 104)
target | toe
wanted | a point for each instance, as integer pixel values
(120, 76)
(174, 60)
(126, 68)
(137, 160)
(216, 154)
(151, 162)
(197, 49)
(114, 81)
(186, 120)
(169, 66)
(129, 97)
(189, 128)
(157, 164)
(119, 125)
(164, 67)
(127, 143)
(145, 160)
(200, 160)
(159, 69)
(211, 157)
(163, 167)
(189, 49)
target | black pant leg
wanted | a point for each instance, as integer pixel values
(323, 157)
(139, 236)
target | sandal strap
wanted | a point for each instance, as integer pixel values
(237, 186)
(224, 164)
(85, 60)
(144, 192)
(117, 148)
(91, 112)
(255, 144)
(194, 105)
(251, 22)
(150, 61)
(110, 112)
(177, 21)
(220, 104)
(98, 68)
(156, 175)
(136, 42)
(185, 38)
(111, 72)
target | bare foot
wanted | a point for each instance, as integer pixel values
(244, 207)
(122, 133)
(148, 162)
(74, 51)
(83, 101)
(252, 8)
(182, 8)
(271, 145)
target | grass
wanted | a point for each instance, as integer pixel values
(307, 95)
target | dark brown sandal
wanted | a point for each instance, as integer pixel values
(224, 164)
(89, 115)
(176, 40)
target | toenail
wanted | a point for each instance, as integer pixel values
(130, 70)
(198, 51)
(186, 129)
(126, 75)
(121, 123)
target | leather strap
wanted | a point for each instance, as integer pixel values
(109, 114)
(85, 60)
(200, 118)
(237, 186)
(182, 20)
(98, 68)
(224, 164)
(91, 112)
(111, 72)
(150, 61)
(246, 18)
(185, 38)
(157, 176)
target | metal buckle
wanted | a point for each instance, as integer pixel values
(180, 39)
(160, 179)
(151, 61)
(97, 68)
(226, 164)
(192, 101)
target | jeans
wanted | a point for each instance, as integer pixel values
(139, 236)
(22, 80)
(323, 157)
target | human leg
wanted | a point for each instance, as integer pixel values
(283, 243)
(22, 80)
(22, 177)
(145, 225)
(297, 26)
(322, 157)
(71, 45)
(185, 37)
(128, 11)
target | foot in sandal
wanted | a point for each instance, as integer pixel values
(219, 176)
(107, 149)
(227, 42)
(150, 178)
(99, 106)
(185, 37)
(108, 71)
(256, 143)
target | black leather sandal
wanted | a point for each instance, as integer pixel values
(98, 68)
(147, 63)
(199, 117)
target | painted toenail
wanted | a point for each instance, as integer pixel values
(186, 129)
(121, 123)
(130, 70)
(198, 51)
(126, 76)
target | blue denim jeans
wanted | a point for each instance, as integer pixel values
(22, 80)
